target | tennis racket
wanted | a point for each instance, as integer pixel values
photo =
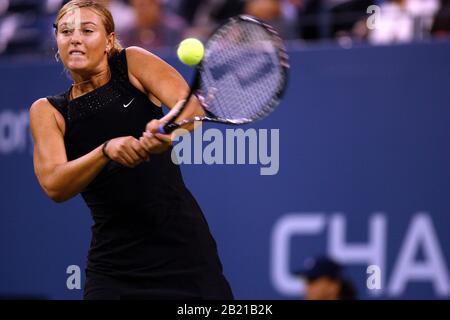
(242, 76)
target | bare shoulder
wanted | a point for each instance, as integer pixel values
(138, 54)
(141, 61)
(152, 75)
(40, 108)
(43, 115)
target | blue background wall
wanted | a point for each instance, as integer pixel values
(364, 143)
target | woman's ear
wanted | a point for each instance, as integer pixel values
(110, 42)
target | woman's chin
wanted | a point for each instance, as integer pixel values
(76, 66)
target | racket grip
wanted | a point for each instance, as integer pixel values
(167, 128)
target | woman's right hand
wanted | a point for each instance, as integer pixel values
(127, 151)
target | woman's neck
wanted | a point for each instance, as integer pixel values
(86, 83)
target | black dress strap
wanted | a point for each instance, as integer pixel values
(60, 102)
(118, 64)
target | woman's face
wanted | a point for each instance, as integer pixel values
(82, 41)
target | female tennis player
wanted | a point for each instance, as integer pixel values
(150, 239)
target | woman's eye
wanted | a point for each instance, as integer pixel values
(88, 31)
(66, 31)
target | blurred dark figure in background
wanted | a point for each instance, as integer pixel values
(309, 19)
(345, 14)
(213, 10)
(153, 28)
(441, 24)
(205, 15)
(319, 19)
(325, 281)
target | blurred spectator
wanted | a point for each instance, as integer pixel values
(215, 11)
(25, 26)
(268, 10)
(122, 13)
(325, 281)
(345, 14)
(441, 24)
(329, 18)
(271, 11)
(403, 21)
(309, 19)
(4, 7)
(204, 16)
(153, 28)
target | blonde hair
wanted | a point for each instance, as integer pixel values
(98, 8)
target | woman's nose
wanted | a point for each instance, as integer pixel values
(76, 37)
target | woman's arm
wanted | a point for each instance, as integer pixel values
(62, 179)
(159, 80)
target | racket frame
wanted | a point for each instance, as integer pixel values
(195, 84)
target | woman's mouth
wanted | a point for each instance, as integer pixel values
(76, 53)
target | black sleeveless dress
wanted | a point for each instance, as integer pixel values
(149, 237)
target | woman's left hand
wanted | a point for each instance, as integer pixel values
(154, 142)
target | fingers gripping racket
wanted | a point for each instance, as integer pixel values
(242, 76)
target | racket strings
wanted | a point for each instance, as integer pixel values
(241, 72)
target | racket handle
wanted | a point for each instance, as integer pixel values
(168, 128)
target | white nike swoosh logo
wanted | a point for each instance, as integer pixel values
(126, 105)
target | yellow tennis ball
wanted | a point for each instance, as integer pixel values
(190, 51)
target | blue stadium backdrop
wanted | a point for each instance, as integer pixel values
(363, 175)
